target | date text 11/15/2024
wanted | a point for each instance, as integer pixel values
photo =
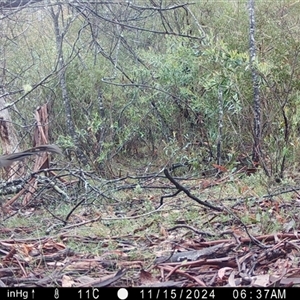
(216, 293)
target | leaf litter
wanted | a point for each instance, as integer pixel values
(136, 239)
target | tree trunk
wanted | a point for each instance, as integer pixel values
(62, 81)
(256, 155)
(9, 140)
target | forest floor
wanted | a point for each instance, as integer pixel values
(144, 230)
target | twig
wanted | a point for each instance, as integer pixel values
(187, 192)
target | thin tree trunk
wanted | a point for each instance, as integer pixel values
(62, 73)
(256, 97)
(220, 126)
(62, 81)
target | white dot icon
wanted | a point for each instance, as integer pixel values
(122, 294)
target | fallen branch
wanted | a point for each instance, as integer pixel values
(181, 188)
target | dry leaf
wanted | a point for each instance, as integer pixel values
(67, 281)
(261, 280)
(146, 277)
(222, 272)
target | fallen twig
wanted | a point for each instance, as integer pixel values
(187, 192)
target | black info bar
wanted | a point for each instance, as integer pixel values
(219, 293)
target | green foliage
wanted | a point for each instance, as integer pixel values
(160, 93)
(65, 142)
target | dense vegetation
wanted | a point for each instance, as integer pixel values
(148, 86)
(145, 97)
